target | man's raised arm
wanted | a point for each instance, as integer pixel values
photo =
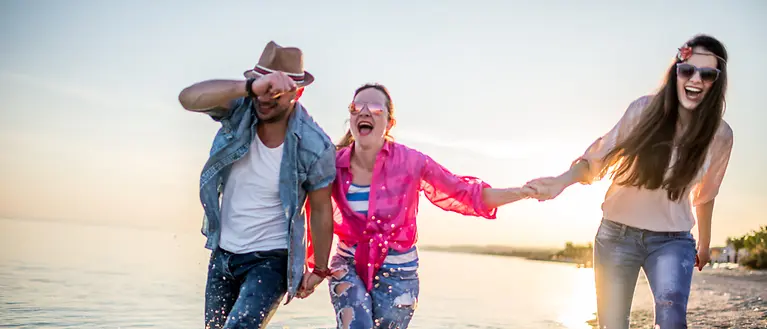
(206, 95)
(209, 94)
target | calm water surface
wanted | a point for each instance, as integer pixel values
(57, 275)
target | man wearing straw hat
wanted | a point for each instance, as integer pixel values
(266, 159)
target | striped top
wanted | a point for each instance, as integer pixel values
(358, 198)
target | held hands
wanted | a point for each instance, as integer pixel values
(308, 283)
(525, 192)
(273, 85)
(546, 188)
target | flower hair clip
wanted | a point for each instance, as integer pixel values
(685, 52)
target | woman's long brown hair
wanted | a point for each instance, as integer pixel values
(348, 138)
(643, 156)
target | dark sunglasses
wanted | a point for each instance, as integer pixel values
(374, 108)
(707, 74)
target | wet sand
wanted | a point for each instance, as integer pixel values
(719, 298)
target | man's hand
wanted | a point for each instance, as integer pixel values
(309, 282)
(273, 85)
(702, 258)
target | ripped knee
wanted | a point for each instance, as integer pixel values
(345, 317)
(671, 298)
(340, 288)
(340, 273)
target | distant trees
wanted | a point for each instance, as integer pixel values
(581, 254)
(755, 243)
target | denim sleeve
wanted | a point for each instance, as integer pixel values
(323, 171)
(221, 113)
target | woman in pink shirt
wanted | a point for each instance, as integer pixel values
(669, 152)
(374, 281)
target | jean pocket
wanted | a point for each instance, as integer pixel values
(404, 275)
(609, 231)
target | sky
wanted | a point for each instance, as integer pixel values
(92, 132)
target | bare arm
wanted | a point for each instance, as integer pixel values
(548, 188)
(318, 184)
(496, 197)
(209, 94)
(704, 212)
(320, 212)
(321, 225)
(578, 172)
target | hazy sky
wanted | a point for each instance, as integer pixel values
(91, 129)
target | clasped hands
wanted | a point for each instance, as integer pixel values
(544, 188)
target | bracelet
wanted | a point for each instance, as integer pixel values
(322, 273)
(249, 87)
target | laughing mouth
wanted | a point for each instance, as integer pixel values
(364, 127)
(692, 92)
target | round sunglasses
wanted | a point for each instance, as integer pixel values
(707, 74)
(374, 108)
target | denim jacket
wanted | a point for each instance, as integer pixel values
(308, 164)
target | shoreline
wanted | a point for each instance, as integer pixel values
(541, 255)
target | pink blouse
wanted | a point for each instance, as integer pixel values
(399, 174)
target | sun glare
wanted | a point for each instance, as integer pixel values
(582, 306)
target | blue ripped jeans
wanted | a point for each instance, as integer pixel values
(244, 290)
(390, 304)
(667, 258)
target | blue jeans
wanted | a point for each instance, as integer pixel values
(390, 304)
(244, 290)
(667, 258)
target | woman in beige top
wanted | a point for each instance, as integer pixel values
(667, 156)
